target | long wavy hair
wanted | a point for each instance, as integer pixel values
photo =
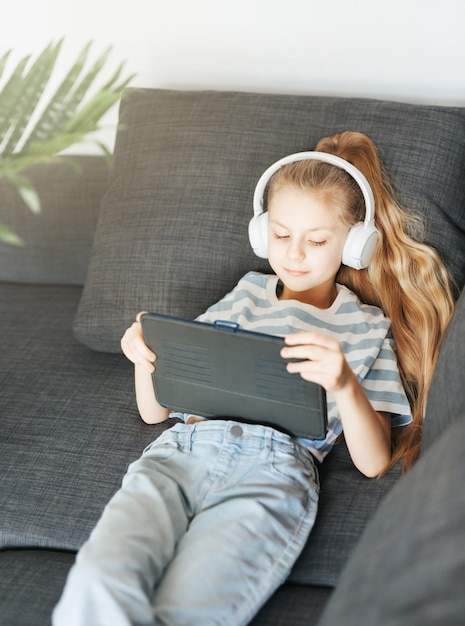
(406, 278)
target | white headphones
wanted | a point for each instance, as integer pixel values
(363, 237)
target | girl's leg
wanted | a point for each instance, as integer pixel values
(147, 563)
(252, 525)
(116, 570)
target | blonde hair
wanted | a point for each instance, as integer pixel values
(406, 278)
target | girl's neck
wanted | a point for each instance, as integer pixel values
(320, 297)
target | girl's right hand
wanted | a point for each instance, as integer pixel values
(135, 348)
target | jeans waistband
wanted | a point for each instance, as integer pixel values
(220, 430)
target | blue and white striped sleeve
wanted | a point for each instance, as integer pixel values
(384, 389)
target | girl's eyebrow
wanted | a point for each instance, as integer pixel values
(309, 230)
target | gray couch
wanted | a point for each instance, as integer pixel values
(166, 230)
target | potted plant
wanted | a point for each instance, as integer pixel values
(36, 128)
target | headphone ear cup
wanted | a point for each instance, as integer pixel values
(360, 245)
(258, 234)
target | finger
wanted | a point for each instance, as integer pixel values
(139, 341)
(135, 348)
(308, 370)
(310, 352)
(330, 373)
(144, 358)
(308, 337)
(142, 349)
(139, 315)
(147, 366)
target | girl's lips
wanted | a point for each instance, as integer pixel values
(296, 272)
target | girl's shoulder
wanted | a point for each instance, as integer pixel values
(255, 278)
(349, 302)
(257, 284)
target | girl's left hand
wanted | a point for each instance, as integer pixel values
(320, 360)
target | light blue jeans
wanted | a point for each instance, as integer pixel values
(207, 524)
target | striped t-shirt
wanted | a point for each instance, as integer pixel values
(362, 330)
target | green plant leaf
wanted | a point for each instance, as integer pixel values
(34, 83)
(120, 88)
(25, 188)
(66, 118)
(111, 84)
(82, 88)
(73, 98)
(112, 81)
(9, 98)
(3, 62)
(8, 236)
(58, 111)
(106, 153)
(30, 197)
(86, 120)
(46, 152)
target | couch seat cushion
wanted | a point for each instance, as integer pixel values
(69, 428)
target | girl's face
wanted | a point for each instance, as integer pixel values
(305, 243)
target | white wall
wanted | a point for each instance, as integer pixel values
(410, 50)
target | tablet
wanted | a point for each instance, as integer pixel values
(220, 370)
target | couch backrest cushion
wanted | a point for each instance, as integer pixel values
(172, 231)
(58, 241)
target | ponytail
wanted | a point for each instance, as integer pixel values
(406, 279)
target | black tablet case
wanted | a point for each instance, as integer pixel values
(218, 369)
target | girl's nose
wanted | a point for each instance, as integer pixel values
(296, 251)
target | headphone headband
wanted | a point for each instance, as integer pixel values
(326, 157)
(362, 238)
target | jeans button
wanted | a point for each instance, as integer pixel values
(236, 430)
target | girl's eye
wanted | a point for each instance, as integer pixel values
(317, 243)
(280, 237)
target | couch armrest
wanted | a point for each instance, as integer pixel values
(409, 566)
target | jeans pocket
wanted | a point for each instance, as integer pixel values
(163, 447)
(294, 466)
(284, 465)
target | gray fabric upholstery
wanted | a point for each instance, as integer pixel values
(172, 237)
(293, 604)
(411, 558)
(409, 567)
(69, 428)
(26, 601)
(347, 502)
(172, 232)
(69, 424)
(24, 598)
(58, 241)
(446, 399)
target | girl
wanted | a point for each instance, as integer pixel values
(211, 518)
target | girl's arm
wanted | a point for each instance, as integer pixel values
(367, 432)
(136, 350)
